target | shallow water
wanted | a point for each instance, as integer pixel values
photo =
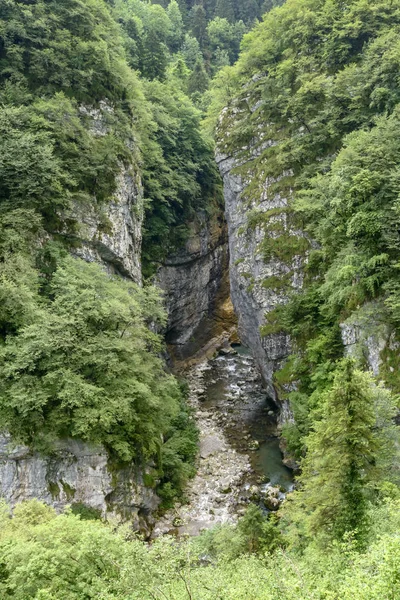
(233, 387)
(239, 460)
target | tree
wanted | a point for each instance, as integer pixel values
(191, 51)
(259, 534)
(176, 36)
(179, 73)
(248, 11)
(87, 367)
(268, 5)
(198, 80)
(179, 180)
(198, 24)
(157, 32)
(209, 6)
(224, 36)
(343, 456)
(225, 10)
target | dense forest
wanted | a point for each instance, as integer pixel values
(303, 94)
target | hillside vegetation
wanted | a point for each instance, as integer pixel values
(319, 79)
(46, 556)
(312, 104)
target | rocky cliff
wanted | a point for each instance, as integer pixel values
(112, 235)
(76, 474)
(195, 281)
(256, 282)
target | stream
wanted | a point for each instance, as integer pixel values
(240, 460)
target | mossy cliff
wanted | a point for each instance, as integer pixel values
(307, 143)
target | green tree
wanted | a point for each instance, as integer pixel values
(343, 456)
(198, 80)
(248, 11)
(87, 367)
(268, 5)
(259, 533)
(223, 35)
(180, 179)
(225, 10)
(198, 24)
(177, 33)
(191, 51)
(19, 279)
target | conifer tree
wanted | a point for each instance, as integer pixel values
(176, 36)
(248, 11)
(198, 23)
(198, 80)
(209, 6)
(343, 453)
(225, 10)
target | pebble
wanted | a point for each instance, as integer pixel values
(216, 494)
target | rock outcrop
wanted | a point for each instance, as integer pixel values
(112, 235)
(195, 281)
(249, 272)
(76, 474)
(370, 339)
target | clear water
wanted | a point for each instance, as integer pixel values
(234, 389)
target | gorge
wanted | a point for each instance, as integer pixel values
(199, 299)
(200, 320)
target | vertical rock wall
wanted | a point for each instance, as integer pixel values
(249, 271)
(112, 235)
(195, 281)
(76, 474)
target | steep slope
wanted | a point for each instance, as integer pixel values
(93, 415)
(311, 215)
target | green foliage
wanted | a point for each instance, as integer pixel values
(225, 9)
(255, 533)
(86, 513)
(57, 60)
(348, 450)
(179, 176)
(47, 556)
(198, 80)
(177, 455)
(87, 367)
(224, 36)
(326, 93)
(71, 46)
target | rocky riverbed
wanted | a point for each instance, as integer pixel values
(239, 459)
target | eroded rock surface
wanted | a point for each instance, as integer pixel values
(112, 235)
(196, 285)
(249, 272)
(76, 473)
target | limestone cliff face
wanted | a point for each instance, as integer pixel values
(372, 341)
(76, 473)
(195, 281)
(112, 236)
(249, 271)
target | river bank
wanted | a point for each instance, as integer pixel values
(239, 458)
